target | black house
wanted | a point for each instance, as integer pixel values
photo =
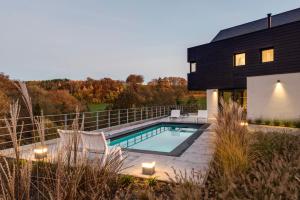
(231, 61)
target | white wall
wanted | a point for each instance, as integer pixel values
(269, 99)
(212, 103)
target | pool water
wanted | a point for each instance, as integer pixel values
(160, 138)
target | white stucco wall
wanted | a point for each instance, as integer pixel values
(269, 99)
(212, 103)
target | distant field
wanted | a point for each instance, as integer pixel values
(97, 107)
(200, 100)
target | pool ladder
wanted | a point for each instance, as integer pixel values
(140, 138)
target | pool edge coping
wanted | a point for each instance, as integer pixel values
(177, 151)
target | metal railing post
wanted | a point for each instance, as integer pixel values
(141, 114)
(146, 112)
(66, 121)
(82, 121)
(151, 112)
(127, 115)
(97, 120)
(134, 114)
(109, 118)
(119, 120)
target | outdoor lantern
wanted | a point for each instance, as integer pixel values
(148, 168)
(40, 152)
(244, 123)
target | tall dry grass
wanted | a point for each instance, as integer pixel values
(188, 185)
(62, 178)
(15, 174)
(253, 165)
(273, 172)
(232, 141)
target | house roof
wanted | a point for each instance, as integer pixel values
(277, 20)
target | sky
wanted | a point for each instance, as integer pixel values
(77, 39)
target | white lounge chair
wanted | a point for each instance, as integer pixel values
(95, 142)
(175, 114)
(68, 139)
(202, 115)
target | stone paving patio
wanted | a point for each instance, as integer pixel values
(197, 157)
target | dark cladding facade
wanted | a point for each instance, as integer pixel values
(215, 61)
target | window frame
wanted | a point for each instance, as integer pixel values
(261, 54)
(234, 59)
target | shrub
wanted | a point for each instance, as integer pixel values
(287, 123)
(276, 122)
(126, 180)
(152, 181)
(267, 122)
(297, 124)
(258, 121)
(250, 121)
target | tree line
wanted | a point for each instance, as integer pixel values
(63, 95)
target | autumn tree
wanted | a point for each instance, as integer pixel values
(127, 99)
(90, 91)
(135, 79)
(53, 101)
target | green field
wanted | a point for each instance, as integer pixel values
(97, 107)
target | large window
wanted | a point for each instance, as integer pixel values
(267, 55)
(239, 59)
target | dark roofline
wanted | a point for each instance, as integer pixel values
(259, 24)
(272, 28)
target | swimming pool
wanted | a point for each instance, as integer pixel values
(162, 138)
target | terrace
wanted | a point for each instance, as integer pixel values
(193, 154)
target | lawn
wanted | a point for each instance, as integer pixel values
(201, 101)
(97, 107)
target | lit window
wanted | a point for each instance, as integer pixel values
(193, 67)
(239, 59)
(267, 55)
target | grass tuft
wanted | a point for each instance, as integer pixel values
(232, 153)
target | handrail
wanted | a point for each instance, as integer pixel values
(91, 121)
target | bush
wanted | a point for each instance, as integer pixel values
(297, 124)
(152, 181)
(258, 121)
(287, 123)
(276, 122)
(126, 180)
(267, 122)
